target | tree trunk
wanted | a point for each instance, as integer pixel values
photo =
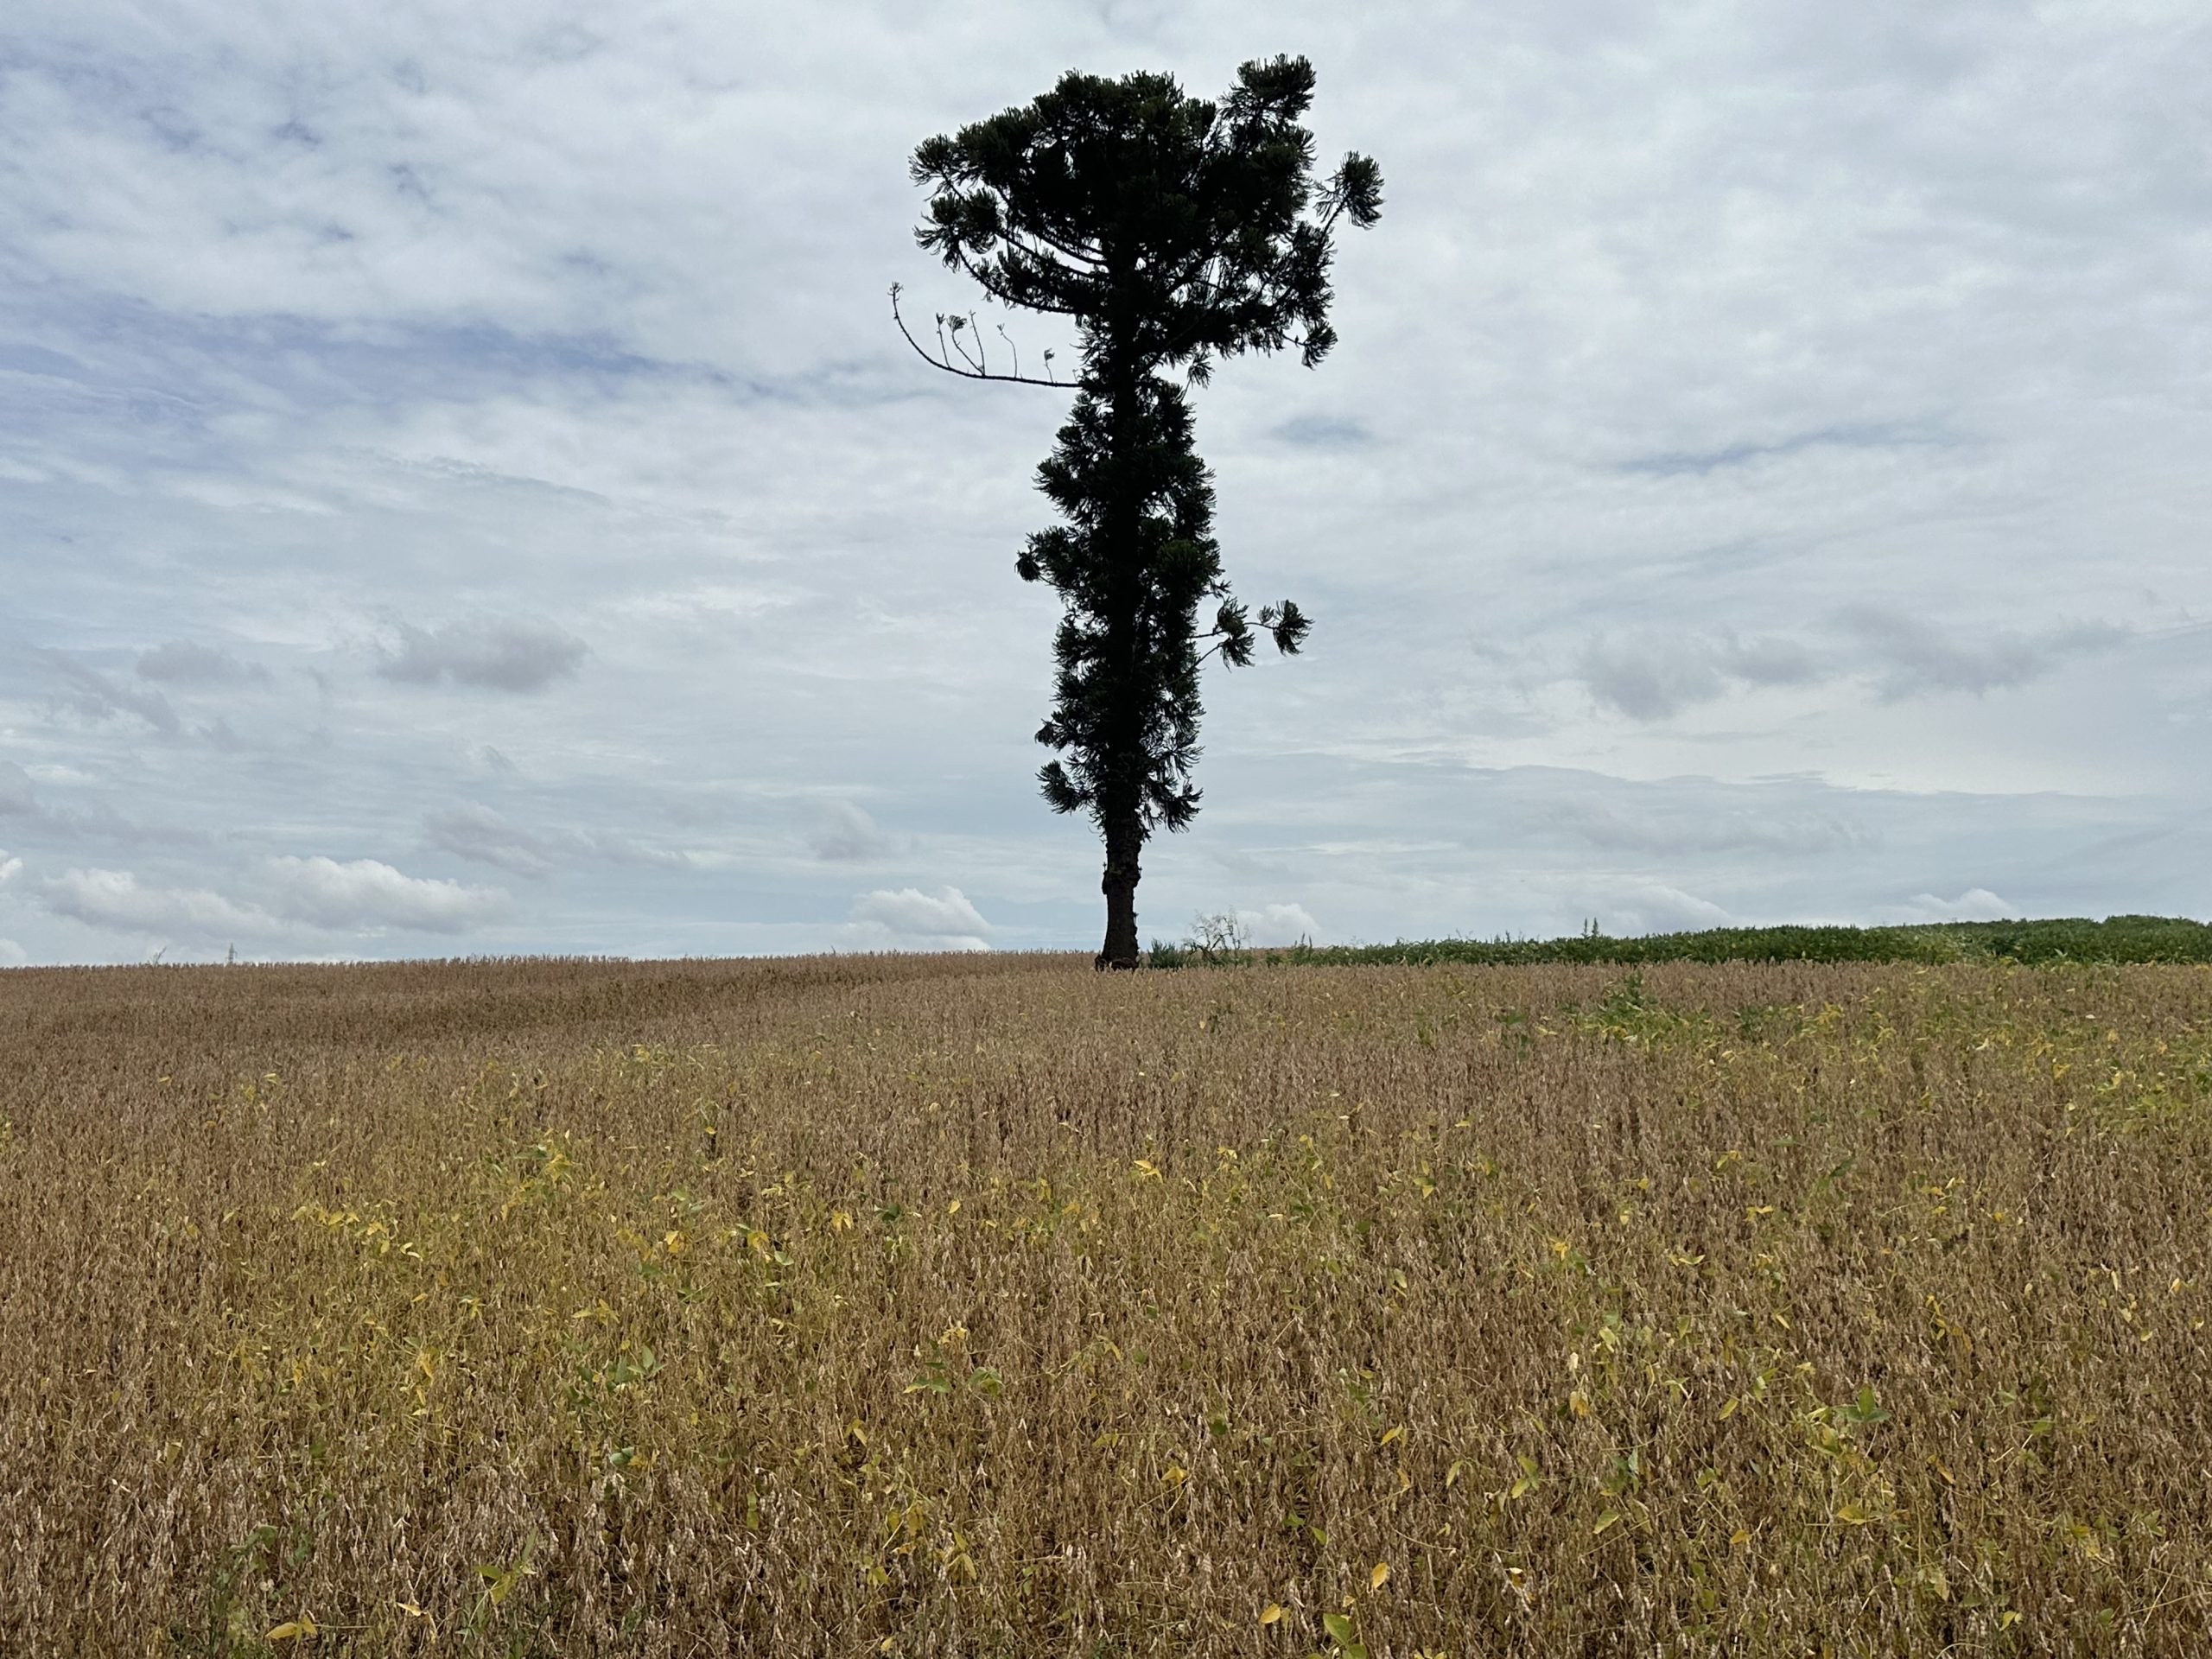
(1120, 887)
(1120, 814)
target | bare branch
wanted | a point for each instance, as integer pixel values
(975, 363)
(950, 367)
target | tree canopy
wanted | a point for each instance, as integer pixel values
(1172, 232)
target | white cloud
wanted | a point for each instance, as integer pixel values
(1279, 923)
(13, 955)
(117, 900)
(18, 797)
(943, 920)
(9, 867)
(1629, 907)
(1974, 905)
(363, 892)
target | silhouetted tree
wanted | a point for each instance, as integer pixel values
(1172, 232)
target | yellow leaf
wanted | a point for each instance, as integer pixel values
(1729, 1410)
(1852, 1515)
(1738, 1538)
(1390, 1434)
(413, 1611)
(1610, 1518)
(952, 1209)
(1271, 1613)
(292, 1630)
(1380, 1576)
(1578, 1404)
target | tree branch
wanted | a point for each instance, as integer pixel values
(990, 286)
(950, 367)
(1056, 244)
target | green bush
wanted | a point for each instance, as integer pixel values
(2117, 939)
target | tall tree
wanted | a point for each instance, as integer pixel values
(1172, 232)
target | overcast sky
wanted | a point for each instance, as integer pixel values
(460, 490)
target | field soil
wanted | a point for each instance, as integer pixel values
(990, 1305)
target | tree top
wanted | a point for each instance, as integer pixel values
(1181, 229)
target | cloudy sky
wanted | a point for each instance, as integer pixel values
(460, 490)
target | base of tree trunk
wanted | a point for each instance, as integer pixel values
(1120, 885)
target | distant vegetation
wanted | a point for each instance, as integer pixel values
(2115, 939)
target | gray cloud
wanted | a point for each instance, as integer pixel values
(1651, 824)
(643, 855)
(183, 662)
(1649, 675)
(1324, 431)
(18, 797)
(94, 697)
(495, 654)
(1745, 451)
(1916, 657)
(840, 832)
(478, 834)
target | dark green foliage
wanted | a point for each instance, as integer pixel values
(1174, 233)
(2116, 939)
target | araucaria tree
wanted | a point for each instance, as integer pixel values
(1172, 232)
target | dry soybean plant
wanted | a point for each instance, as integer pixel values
(990, 1307)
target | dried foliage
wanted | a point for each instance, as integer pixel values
(909, 1305)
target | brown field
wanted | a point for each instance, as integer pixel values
(990, 1307)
